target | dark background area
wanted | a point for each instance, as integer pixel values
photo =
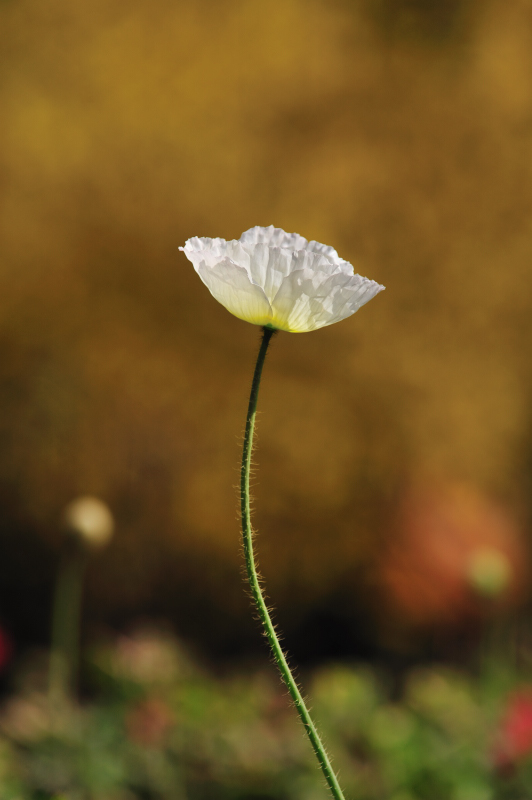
(393, 448)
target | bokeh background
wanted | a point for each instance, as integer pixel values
(393, 469)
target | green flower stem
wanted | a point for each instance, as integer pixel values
(254, 581)
(64, 653)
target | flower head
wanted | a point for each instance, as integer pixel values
(269, 277)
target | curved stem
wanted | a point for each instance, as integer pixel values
(254, 582)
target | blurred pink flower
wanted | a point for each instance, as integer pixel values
(149, 722)
(26, 718)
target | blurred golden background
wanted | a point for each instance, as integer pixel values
(395, 449)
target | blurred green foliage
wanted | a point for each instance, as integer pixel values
(159, 726)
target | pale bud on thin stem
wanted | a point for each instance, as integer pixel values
(89, 525)
(90, 520)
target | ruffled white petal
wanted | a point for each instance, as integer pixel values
(310, 300)
(231, 286)
(276, 237)
(343, 299)
(268, 266)
(269, 277)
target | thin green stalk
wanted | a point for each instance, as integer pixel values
(64, 653)
(254, 582)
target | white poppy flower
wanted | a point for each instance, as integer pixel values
(269, 277)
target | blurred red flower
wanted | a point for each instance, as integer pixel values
(515, 734)
(454, 554)
(6, 648)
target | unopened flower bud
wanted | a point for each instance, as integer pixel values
(90, 520)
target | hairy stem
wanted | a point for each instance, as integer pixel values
(254, 582)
